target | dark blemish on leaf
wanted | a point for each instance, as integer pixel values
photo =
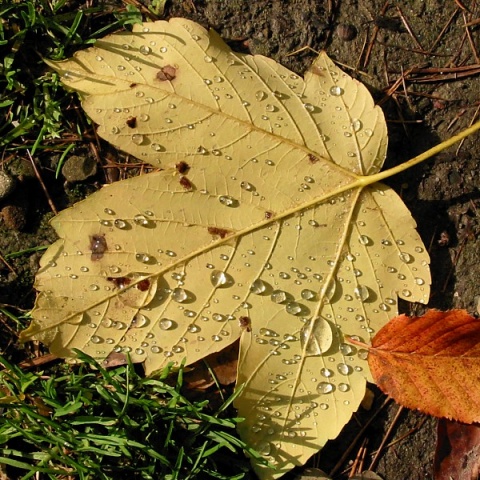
(221, 232)
(312, 158)
(182, 167)
(186, 183)
(143, 285)
(131, 122)
(98, 246)
(133, 85)
(245, 323)
(119, 282)
(268, 215)
(167, 73)
(317, 70)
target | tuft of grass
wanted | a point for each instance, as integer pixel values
(32, 101)
(87, 422)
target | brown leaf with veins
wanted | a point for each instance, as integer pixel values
(431, 363)
(457, 453)
(223, 364)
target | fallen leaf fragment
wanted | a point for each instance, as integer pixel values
(457, 453)
(431, 363)
(223, 364)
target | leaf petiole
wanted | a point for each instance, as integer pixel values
(368, 180)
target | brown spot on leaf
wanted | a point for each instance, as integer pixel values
(182, 167)
(119, 282)
(131, 122)
(312, 158)
(143, 285)
(186, 183)
(133, 85)
(167, 73)
(98, 246)
(268, 215)
(245, 323)
(221, 232)
(317, 70)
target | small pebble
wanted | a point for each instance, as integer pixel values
(346, 32)
(7, 184)
(77, 168)
(14, 217)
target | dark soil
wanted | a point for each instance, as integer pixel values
(377, 47)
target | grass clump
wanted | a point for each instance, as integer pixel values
(33, 104)
(87, 422)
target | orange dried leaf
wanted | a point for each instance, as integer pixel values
(431, 363)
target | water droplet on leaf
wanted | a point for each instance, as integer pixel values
(325, 388)
(336, 91)
(221, 279)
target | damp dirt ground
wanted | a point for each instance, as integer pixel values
(414, 57)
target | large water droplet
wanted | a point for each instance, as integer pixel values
(325, 387)
(137, 138)
(364, 240)
(260, 95)
(121, 224)
(405, 257)
(247, 186)
(278, 296)
(336, 91)
(165, 324)
(316, 337)
(356, 125)
(228, 201)
(179, 295)
(140, 321)
(293, 308)
(362, 292)
(141, 220)
(258, 287)
(76, 319)
(326, 372)
(143, 257)
(308, 294)
(344, 369)
(330, 290)
(221, 279)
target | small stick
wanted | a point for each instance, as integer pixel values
(2, 258)
(409, 30)
(374, 36)
(359, 459)
(44, 188)
(384, 440)
(444, 29)
(470, 40)
(405, 435)
(37, 361)
(472, 121)
(357, 437)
